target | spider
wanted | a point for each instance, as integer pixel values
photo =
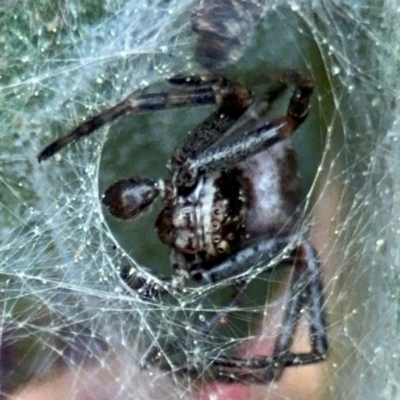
(230, 205)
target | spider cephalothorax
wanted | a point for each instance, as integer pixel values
(230, 202)
(208, 221)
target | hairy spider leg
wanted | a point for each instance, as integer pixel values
(232, 105)
(233, 98)
(305, 292)
(236, 103)
(260, 254)
(261, 250)
(256, 141)
(315, 308)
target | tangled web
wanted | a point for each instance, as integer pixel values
(66, 315)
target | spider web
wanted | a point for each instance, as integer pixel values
(68, 321)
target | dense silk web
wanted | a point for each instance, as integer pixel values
(66, 313)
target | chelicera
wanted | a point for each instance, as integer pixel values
(230, 204)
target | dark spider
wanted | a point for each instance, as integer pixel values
(229, 207)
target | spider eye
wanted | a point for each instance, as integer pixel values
(223, 247)
(215, 226)
(128, 198)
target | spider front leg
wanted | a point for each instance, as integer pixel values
(253, 142)
(199, 91)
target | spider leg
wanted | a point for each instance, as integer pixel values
(305, 293)
(258, 140)
(231, 96)
(132, 104)
(261, 370)
(259, 253)
(315, 305)
(233, 105)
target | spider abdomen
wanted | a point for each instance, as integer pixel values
(273, 190)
